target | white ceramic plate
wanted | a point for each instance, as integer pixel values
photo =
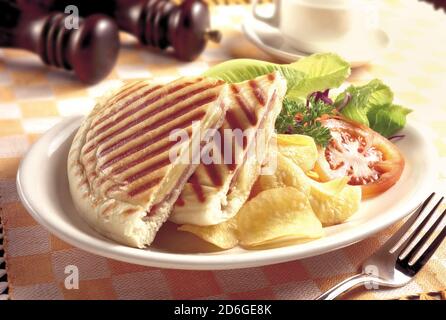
(356, 51)
(43, 187)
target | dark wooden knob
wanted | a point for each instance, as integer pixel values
(184, 27)
(93, 49)
(189, 29)
(160, 24)
(90, 50)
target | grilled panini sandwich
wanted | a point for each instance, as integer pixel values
(121, 177)
(216, 192)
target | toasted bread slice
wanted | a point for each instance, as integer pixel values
(122, 178)
(216, 191)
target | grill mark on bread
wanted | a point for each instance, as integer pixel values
(186, 123)
(164, 161)
(152, 167)
(150, 91)
(230, 166)
(143, 145)
(111, 188)
(247, 110)
(133, 99)
(128, 212)
(144, 187)
(151, 113)
(167, 117)
(143, 104)
(233, 120)
(212, 169)
(144, 157)
(118, 97)
(158, 123)
(261, 125)
(110, 207)
(197, 187)
(180, 201)
(93, 143)
(258, 93)
(167, 105)
(127, 91)
(214, 174)
(147, 156)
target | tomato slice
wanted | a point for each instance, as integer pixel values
(356, 151)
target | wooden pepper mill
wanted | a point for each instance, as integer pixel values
(90, 51)
(156, 23)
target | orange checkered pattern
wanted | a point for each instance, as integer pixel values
(33, 98)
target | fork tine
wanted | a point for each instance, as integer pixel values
(405, 227)
(421, 261)
(422, 225)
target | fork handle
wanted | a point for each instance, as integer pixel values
(346, 285)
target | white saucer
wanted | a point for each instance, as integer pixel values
(271, 41)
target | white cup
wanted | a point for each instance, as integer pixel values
(313, 25)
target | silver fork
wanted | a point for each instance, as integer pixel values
(390, 265)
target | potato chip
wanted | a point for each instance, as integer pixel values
(280, 242)
(222, 235)
(287, 174)
(313, 175)
(170, 239)
(335, 201)
(277, 215)
(300, 149)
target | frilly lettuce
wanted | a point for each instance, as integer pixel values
(372, 105)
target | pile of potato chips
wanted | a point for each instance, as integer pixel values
(287, 207)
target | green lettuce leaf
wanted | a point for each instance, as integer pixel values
(372, 105)
(322, 71)
(363, 98)
(238, 70)
(387, 120)
(313, 73)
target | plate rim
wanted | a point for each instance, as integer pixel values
(250, 258)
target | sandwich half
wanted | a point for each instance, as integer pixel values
(216, 191)
(122, 177)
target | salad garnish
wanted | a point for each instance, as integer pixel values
(370, 104)
(298, 117)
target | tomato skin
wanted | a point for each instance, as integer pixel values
(390, 167)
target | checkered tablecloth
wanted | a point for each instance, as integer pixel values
(33, 98)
